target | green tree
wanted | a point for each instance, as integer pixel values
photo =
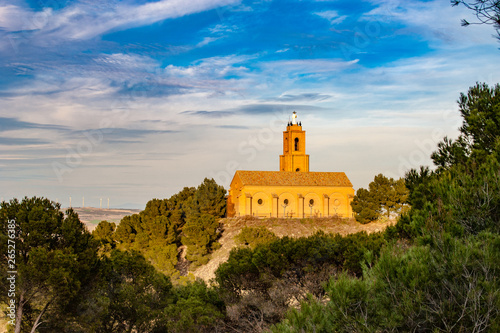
(417, 183)
(55, 257)
(365, 206)
(210, 199)
(187, 218)
(480, 130)
(450, 286)
(197, 308)
(461, 196)
(385, 196)
(200, 236)
(258, 285)
(103, 233)
(156, 231)
(127, 295)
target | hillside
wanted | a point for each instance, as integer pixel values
(231, 227)
(281, 227)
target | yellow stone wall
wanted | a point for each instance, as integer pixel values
(269, 201)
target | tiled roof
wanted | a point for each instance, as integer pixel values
(286, 178)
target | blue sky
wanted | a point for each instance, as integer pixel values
(133, 100)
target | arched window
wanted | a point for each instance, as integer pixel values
(296, 144)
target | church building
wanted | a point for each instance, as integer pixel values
(293, 191)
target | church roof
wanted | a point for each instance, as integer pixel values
(287, 178)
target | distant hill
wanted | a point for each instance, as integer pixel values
(92, 216)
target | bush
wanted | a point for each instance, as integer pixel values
(252, 237)
(258, 285)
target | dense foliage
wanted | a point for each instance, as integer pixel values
(189, 218)
(385, 196)
(63, 285)
(259, 285)
(54, 257)
(449, 287)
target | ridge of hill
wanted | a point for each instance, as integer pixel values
(281, 227)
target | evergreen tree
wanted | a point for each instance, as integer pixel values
(365, 206)
(385, 196)
(189, 217)
(200, 235)
(103, 233)
(55, 256)
(480, 130)
(210, 199)
(127, 295)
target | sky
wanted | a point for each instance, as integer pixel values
(133, 100)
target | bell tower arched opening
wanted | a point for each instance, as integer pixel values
(294, 156)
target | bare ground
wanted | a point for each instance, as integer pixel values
(281, 227)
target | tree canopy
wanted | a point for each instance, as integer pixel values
(385, 196)
(188, 218)
(55, 256)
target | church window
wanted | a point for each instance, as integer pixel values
(260, 201)
(285, 201)
(296, 144)
(311, 202)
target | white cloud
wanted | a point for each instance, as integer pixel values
(223, 29)
(308, 66)
(332, 16)
(206, 41)
(213, 68)
(283, 50)
(15, 18)
(436, 21)
(85, 21)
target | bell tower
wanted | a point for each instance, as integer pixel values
(294, 156)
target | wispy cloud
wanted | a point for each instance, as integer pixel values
(255, 109)
(302, 97)
(332, 16)
(434, 20)
(10, 124)
(308, 66)
(84, 20)
(213, 68)
(21, 142)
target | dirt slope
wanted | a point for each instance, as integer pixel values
(281, 227)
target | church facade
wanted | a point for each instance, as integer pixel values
(293, 191)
